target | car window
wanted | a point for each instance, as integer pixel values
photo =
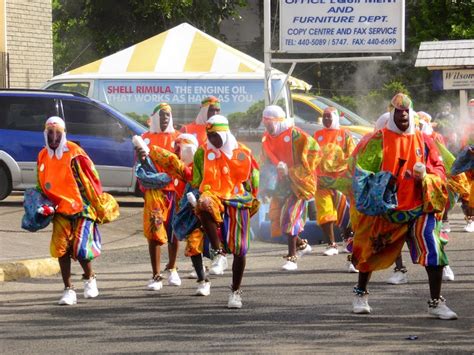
(79, 87)
(26, 113)
(351, 115)
(86, 119)
(305, 111)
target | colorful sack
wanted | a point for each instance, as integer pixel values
(149, 177)
(106, 208)
(372, 194)
(33, 221)
(464, 162)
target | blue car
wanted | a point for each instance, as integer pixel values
(103, 132)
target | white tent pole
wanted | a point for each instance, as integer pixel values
(275, 99)
(328, 60)
(267, 54)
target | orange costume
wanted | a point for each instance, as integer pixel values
(228, 182)
(72, 184)
(300, 153)
(336, 147)
(159, 203)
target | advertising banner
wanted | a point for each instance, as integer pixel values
(137, 98)
(342, 26)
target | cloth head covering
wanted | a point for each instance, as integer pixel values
(426, 125)
(58, 124)
(335, 117)
(155, 119)
(402, 102)
(188, 145)
(382, 121)
(276, 115)
(201, 118)
(220, 125)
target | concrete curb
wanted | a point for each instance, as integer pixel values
(15, 270)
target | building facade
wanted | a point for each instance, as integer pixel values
(26, 43)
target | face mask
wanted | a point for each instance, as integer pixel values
(187, 153)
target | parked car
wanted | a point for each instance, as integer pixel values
(310, 108)
(103, 132)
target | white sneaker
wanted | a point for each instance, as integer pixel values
(445, 227)
(90, 288)
(469, 227)
(219, 264)
(351, 268)
(290, 266)
(193, 275)
(173, 278)
(331, 250)
(305, 251)
(235, 299)
(154, 285)
(448, 274)
(398, 278)
(69, 297)
(204, 288)
(440, 310)
(360, 304)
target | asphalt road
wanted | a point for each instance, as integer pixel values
(308, 311)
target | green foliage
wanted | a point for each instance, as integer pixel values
(86, 30)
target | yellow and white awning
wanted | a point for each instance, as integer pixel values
(180, 50)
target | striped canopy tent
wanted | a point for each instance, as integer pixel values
(181, 51)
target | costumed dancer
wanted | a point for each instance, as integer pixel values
(336, 146)
(289, 159)
(160, 202)
(400, 191)
(227, 177)
(210, 106)
(186, 225)
(68, 179)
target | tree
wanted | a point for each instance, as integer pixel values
(86, 30)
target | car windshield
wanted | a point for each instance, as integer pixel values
(350, 117)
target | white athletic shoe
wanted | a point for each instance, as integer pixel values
(219, 264)
(305, 251)
(440, 310)
(235, 299)
(203, 289)
(469, 227)
(155, 285)
(360, 304)
(351, 268)
(90, 288)
(331, 250)
(290, 266)
(398, 278)
(173, 278)
(69, 297)
(448, 274)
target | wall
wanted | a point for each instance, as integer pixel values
(29, 42)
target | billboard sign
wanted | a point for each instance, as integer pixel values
(342, 26)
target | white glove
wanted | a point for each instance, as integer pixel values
(282, 169)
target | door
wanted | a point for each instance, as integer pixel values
(105, 139)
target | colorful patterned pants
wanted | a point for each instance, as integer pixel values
(80, 237)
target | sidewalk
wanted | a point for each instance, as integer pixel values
(24, 254)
